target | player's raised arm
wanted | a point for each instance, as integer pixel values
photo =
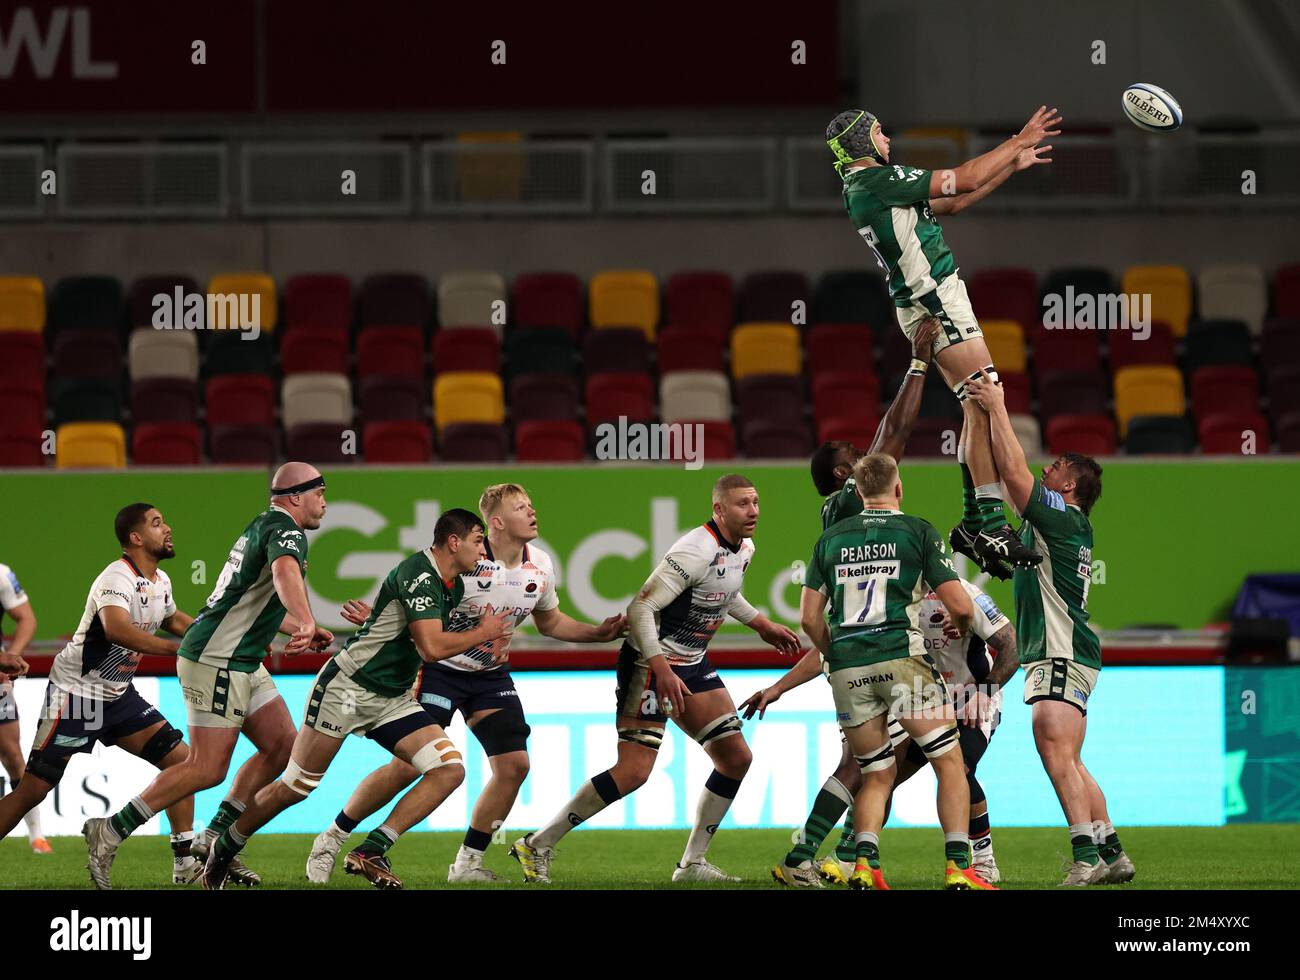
(895, 428)
(999, 161)
(808, 667)
(1007, 451)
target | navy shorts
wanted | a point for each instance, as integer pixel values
(445, 690)
(70, 724)
(637, 691)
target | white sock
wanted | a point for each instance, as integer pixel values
(33, 821)
(957, 837)
(1101, 830)
(715, 801)
(334, 830)
(586, 803)
(467, 856)
(988, 491)
(982, 848)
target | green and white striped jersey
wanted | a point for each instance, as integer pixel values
(244, 612)
(890, 207)
(1052, 598)
(876, 567)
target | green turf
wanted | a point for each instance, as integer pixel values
(1241, 856)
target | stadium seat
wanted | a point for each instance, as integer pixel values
(1212, 342)
(550, 441)
(1015, 391)
(610, 396)
(770, 297)
(1030, 435)
(320, 350)
(1092, 435)
(24, 404)
(859, 430)
(162, 354)
(937, 399)
(1071, 393)
(231, 352)
(397, 442)
(390, 351)
(395, 299)
(1228, 432)
(541, 350)
(895, 356)
(1164, 434)
(853, 296)
(466, 349)
(765, 348)
(166, 444)
(468, 397)
(1066, 350)
(86, 400)
(164, 400)
(1147, 390)
(315, 397)
(86, 354)
(21, 448)
(1076, 281)
(472, 299)
(22, 357)
(321, 299)
(244, 444)
(684, 349)
(702, 302)
(1233, 292)
(845, 395)
(775, 439)
(322, 443)
(85, 303)
(1224, 388)
(1006, 294)
(1006, 344)
(695, 395)
(1130, 349)
(385, 398)
(933, 437)
(1279, 344)
(1283, 386)
(624, 299)
(719, 439)
(840, 347)
(256, 304)
(90, 445)
(1286, 292)
(1170, 289)
(615, 349)
(543, 396)
(1287, 430)
(142, 309)
(22, 304)
(474, 442)
(547, 299)
(774, 397)
(240, 399)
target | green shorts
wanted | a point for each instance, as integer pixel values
(1060, 680)
(908, 686)
(951, 306)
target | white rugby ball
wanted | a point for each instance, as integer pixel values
(1151, 108)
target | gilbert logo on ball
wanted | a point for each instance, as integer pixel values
(1151, 108)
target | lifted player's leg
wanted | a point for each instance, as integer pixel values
(709, 716)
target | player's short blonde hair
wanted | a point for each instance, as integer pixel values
(495, 495)
(874, 475)
(732, 481)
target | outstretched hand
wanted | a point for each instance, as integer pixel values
(1042, 124)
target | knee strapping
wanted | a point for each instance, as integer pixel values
(938, 742)
(160, 744)
(299, 780)
(651, 738)
(502, 732)
(436, 754)
(877, 760)
(959, 389)
(718, 728)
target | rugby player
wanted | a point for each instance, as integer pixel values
(365, 689)
(875, 568)
(518, 577)
(664, 672)
(90, 697)
(895, 210)
(261, 591)
(14, 601)
(1058, 648)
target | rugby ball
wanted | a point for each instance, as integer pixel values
(1151, 108)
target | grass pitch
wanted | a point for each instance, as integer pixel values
(1240, 856)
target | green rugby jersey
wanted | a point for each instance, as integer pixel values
(843, 503)
(1052, 598)
(381, 657)
(876, 567)
(890, 207)
(244, 612)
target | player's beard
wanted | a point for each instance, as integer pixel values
(163, 552)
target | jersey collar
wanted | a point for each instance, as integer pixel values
(712, 528)
(487, 548)
(450, 583)
(134, 567)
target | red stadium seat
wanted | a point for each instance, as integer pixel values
(1224, 388)
(845, 394)
(703, 302)
(244, 444)
(164, 400)
(614, 349)
(474, 442)
(166, 444)
(322, 442)
(1286, 291)
(392, 399)
(397, 442)
(1065, 350)
(1006, 294)
(719, 440)
(94, 353)
(140, 301)
(548, 299)
(541, 397)
(933, 437)
(1227, 432)
(1279, 343)
(309, 348)
(1071, 393)
(1015, 391)
(390, 351)
(1283, 390)
(21, 447)
(22, 358)
(769, 297)
(1126, 350)
(317, 300)
(860, 430)
(774, 397)
(466, 349)
(550, 441)
(775, 439)
(395, 299)
(685, 349)
(610, 396)
(1287, 429)
(240, 399)
(24, 405)
(896, 355)
(840, 347)
(1092, 435)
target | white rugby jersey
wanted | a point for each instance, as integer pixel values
(519, 591)
(11, 591)
(92, 667)
(705, 574)
(951, 656)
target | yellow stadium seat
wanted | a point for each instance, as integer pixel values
(1170, 290)
(22, 304)
(468, 396)
(90, 445)
(625, 299)
(1147, 390)
(1006, 344)
(256, 300)
(765, 348)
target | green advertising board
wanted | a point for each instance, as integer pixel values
(1173, 539)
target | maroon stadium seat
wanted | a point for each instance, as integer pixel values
(87, 354)
(1065, 350)
(321, 442)
(390, 351)
(397, 442)
(613, 349)
(1224, 388)
(684, 349)
(548, 299)
(1283, 390)
(474, 442)
(240, 399)
(775, 439)
(244, 444)
(1015, 391)
(24, 405)
(1286, 292)
(140, 300)
(21, 447)
(610, 396)
(1071, 393)
(317, 300)
(166, 444)
(395, 299)
(933, 437)
(840, 347)
(861, 430)
(550, 441)
(392, 399)
(1287, 429)
(702, 302)
(1092, 435)
(1127, 350)
(769, 396)
(164, 400)
(540, 397)
(466, 349)
(22, 357)
(1279, 344)
(769, 296)
(1221, 433)
(1006, 294)
(719, 440)
(896, 355)
(845, 395)
(309, 348)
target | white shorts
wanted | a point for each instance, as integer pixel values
(338, 706)
(219, 698)
(950, 304)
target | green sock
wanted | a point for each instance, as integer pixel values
(227, 813)
(825, 814)
(972, 521)
(1110, 849)
(1084, 847)
(957, 850)
(868, 850)
(992, 516)
(230, 843)
(130, 818)
(378, 841)
(847, 848)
